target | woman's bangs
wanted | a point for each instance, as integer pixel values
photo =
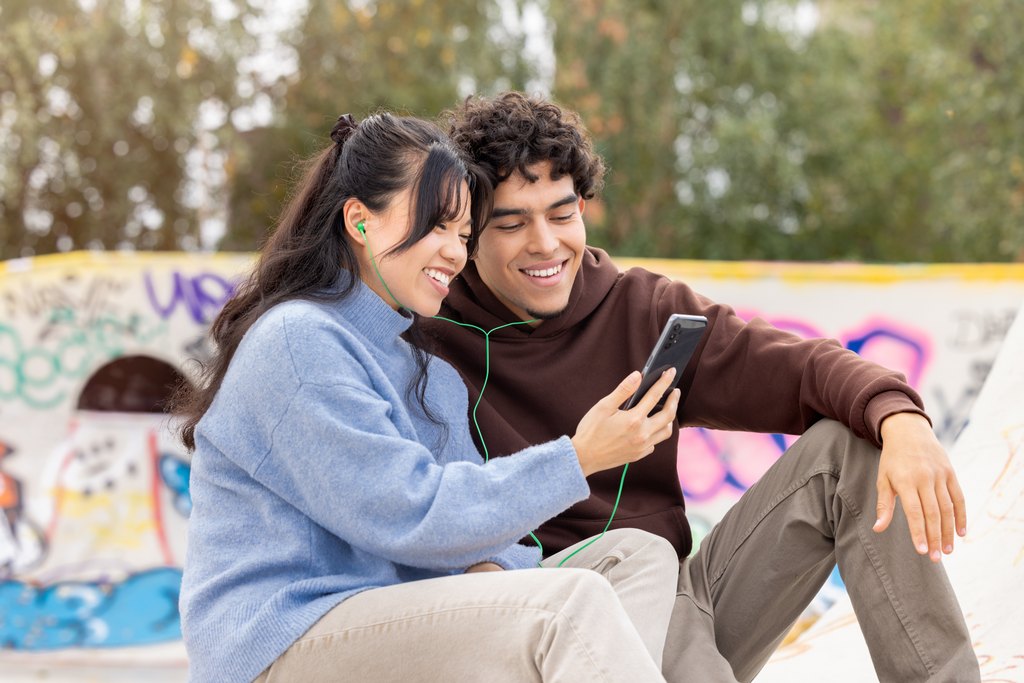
(439, 194)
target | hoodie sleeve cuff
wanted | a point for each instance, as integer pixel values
(885, 404)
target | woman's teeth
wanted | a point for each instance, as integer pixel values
(438, 275)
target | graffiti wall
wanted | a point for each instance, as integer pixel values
(987, 567)
(94, 486)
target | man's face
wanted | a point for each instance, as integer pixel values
(532, 247)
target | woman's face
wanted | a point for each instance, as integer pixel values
(418, 277)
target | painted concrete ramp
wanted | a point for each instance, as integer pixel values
(987, 569)
(94, 486)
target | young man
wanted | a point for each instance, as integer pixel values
(830, 499)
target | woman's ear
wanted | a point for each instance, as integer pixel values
(355, 214)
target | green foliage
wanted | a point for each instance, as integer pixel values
(890, 132)
(414, 57)
(99, 107)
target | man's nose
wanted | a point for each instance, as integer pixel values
(543, 239)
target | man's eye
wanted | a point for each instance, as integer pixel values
(566, 217)
(506, 228)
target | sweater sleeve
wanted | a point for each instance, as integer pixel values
(517, 556)
(337, 457)
(751, 376)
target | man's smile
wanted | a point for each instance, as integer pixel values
(544, 271)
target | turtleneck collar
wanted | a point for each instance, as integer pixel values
(370, 314)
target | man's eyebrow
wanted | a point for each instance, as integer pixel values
(501, 212)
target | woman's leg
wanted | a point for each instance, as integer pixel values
(643, 570)
(529, 625)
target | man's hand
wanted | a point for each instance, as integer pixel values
(485, 567)
(915, 467)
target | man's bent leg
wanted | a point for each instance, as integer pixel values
(763, 563)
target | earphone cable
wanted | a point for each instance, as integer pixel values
(483, 443)
(480, 396)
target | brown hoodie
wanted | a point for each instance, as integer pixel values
(743, 376)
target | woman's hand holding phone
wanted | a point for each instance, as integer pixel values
(608, 436)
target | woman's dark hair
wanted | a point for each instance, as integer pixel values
(512, 131)
(308, 250)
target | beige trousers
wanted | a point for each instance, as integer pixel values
(757, 570)
(602, 617)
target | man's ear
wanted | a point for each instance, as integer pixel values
(582, 203)
(355, 212)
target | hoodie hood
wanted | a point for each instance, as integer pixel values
(477, 305)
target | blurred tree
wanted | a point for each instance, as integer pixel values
(415, 57)
(653, 80)
(776, 129)
(104, 106)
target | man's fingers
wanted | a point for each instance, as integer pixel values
(945, 516)
(915, 522)
(932, 522)
(959, 506)
(884, 508)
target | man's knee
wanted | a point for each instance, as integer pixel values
(829, 431)
(830, 436)
(829, 446)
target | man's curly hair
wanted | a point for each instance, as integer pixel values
(512, 131)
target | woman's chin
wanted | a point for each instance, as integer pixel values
(427, 310)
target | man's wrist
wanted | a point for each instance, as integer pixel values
(899, 421)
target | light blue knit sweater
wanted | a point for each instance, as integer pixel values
(315, 476)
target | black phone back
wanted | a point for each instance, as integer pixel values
(679, 339)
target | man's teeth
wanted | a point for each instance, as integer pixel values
(547, 272)
(438, 275)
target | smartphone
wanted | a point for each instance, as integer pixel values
(675, 347)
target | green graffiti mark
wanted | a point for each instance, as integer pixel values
(68, 350)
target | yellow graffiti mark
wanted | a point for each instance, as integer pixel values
(113, 520)
(797, 273)
(107, 261)
(792, 272)
(1014, 438)
(805, 644)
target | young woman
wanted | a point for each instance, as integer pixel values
(344, 525)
